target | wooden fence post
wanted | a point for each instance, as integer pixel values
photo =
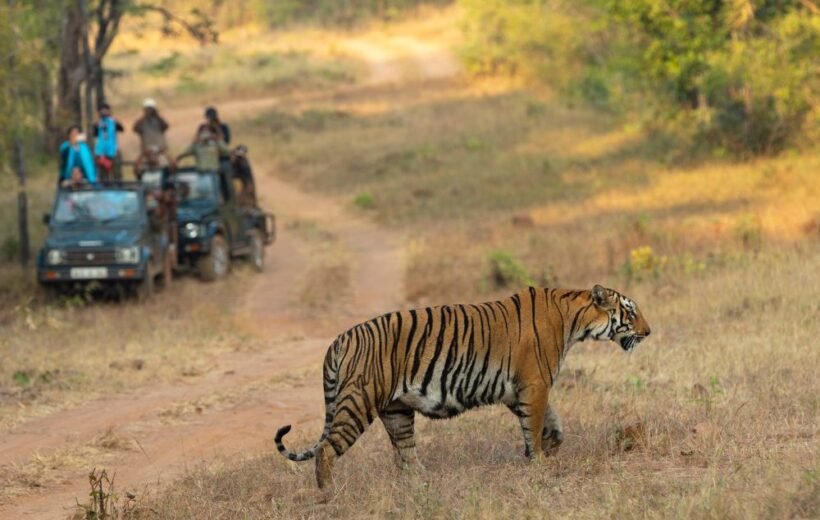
(22, 203)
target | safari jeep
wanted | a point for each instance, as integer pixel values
(104, 237)
(217, 224)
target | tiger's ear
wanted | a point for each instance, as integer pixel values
(602, 297)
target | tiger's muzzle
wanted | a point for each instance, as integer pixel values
(630, 342)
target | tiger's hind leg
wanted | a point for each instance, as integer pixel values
(354, 412)
(399, 421)
(553, 434)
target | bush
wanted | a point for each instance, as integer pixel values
(364, 200)
(506, 271)
(736, 76)
(644, 263)
(9, 249)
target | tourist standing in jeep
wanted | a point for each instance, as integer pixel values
(212, 122)
(106, 147)
(151, 127)
(76, 161)
(207, 150)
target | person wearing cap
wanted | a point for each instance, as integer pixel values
(76, 161)
(207, 150)
(106, 148)
(151, 127)
(217, 127)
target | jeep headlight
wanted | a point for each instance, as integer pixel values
(193, 230)
(128, 255)
(55, 257)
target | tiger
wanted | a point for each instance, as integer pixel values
(441, 361)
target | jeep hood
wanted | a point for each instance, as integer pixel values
(97, 237)
(195, 211)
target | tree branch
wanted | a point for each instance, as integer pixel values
(202, 29)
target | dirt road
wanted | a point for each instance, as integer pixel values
(236, 408)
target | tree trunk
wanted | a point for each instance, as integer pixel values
(22, 203)
(51, 130)
(89, 72)
(99, 83)
(71, 71)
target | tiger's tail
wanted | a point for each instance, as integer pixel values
(331, 384)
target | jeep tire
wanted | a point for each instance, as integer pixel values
(257, 254)
(145, 288)
(217, 263)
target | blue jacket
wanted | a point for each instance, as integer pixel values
(71, 157)
(106, 133)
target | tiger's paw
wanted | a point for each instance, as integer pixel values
(552, 442)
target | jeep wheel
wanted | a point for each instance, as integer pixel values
(257, 256)
(145, 289)
(217, 263)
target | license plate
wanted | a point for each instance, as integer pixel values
(88, 273)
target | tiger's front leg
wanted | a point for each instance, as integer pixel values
(530, 410)
(553, 434)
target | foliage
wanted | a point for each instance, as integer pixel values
(506, 271)
(644, 263)
(364, 200)
(25, 56)
(738, 76)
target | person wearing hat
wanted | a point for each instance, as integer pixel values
(106, 148)
(207, 149)
(151, 127)
(217, 127)
(76, 161)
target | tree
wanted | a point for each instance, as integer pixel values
(21, 68)
(89, 29)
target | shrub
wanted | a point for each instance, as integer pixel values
(644, 263)
(506, 271)
(749, 231)
(9, 249)
(364, 200)
(739, 77)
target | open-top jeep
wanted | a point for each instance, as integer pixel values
(218, 223)
(104, 236)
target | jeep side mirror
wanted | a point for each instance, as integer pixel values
(46, 219)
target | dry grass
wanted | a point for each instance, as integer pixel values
(711, 418)
(460, 166)
(715, 417)
(111, 347)
(247, 62)
(41, 471)
(325, 282)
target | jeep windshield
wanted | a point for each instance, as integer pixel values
(196, 186)
(96, 207)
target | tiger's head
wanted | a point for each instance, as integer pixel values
(618, 319)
